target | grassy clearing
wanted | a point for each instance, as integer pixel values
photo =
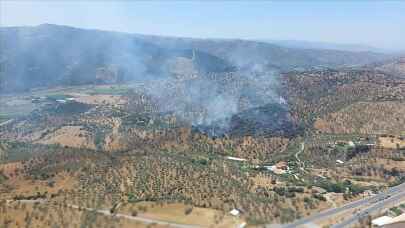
(57, 96)
(288, 155)
(4, 117)
(14, 112)
(181, 213)
(339, 137)
(111, 90)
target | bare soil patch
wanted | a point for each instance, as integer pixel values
(73, 136)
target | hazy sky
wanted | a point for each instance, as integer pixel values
(376, 23)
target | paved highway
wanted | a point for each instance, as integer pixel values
(372, 204)
(386, 202)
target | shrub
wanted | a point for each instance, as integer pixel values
(188, 210)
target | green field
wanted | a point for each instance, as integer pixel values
(12, 111)
(4, 117)
(112, 90)
(57, 96)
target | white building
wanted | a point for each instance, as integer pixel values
(61, 101)
(381, 221)
(234, 212)
(235, 158)
(389, 222)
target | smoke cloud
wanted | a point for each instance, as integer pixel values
(193, 79)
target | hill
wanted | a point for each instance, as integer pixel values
(395, 67)
(325, 45)
(50, 55)
(264, 55)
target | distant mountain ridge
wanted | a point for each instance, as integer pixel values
(301, 44)
(49, 55)
(247, 53)
(396, 67)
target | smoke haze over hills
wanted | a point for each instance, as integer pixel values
(77, 55)
(204, 81)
